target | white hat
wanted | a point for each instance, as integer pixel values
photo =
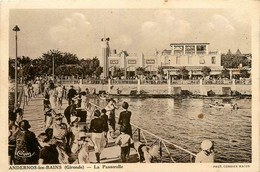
(74, 118)
(206, 144)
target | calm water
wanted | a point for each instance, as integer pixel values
(177, 121)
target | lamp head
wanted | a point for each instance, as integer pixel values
(16, 28)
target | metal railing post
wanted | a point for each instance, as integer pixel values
(160, 145)
(139, 134)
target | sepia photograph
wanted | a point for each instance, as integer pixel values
(130, 85)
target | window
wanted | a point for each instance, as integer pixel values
(202, 60)
(213, 60)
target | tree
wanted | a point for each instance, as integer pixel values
(234, 60)
(244, 73)
(98, 71)
(118, 72)
(205, 71)
(11, 69)
(225, 73)
(183, 73)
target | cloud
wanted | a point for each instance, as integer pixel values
(220, 23)
(163, 29)
(71, 33)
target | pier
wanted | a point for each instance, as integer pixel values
(169, 152)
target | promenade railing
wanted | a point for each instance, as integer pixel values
(168, 151)
(218, 82)
(154, 82)
(243, 82)
(159, 82)
(119, 81)
(69, 81)
(94, 81)
(185, 82)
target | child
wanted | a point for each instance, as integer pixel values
(48, 152)
(124, 140)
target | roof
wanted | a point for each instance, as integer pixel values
(189, 44)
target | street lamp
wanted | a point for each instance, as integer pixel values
(53, 68)
(16, 29)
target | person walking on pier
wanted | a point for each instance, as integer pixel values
(60, 132)
(98, 136)
(104, 117)
(124, 119)
(73, 134)
(124, 140)
(48, 152)
(70, 111)
(53, 94)
(72, 93)
(207, 154)
(27, 146)
(110, 108)
(59, 95)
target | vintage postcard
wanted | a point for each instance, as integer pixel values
(130, 85)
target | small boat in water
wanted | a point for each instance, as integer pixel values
(222, 105)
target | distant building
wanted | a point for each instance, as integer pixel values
(193, 56)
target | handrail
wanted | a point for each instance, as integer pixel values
(164, 140)
(159, 138)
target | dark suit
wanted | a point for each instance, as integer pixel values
(124, 120)
(97, 125)
(72, 93)
(69, 111)
(104, 117)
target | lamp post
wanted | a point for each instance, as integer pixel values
(53, 68)
(16, 29)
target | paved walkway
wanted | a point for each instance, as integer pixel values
(33, 112)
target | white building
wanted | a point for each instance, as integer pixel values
(193, 56)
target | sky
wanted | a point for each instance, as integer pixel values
(134, 30)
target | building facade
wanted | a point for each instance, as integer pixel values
(192, 56)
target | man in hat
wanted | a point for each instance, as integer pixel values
(27, 146)
(72, 93)
(207, 154)
(98, 136)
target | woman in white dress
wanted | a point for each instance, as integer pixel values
(53, 94)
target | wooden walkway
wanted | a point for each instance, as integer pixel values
(33, 112)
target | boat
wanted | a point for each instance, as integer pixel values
(222, 105)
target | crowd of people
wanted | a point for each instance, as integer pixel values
(65, 140)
